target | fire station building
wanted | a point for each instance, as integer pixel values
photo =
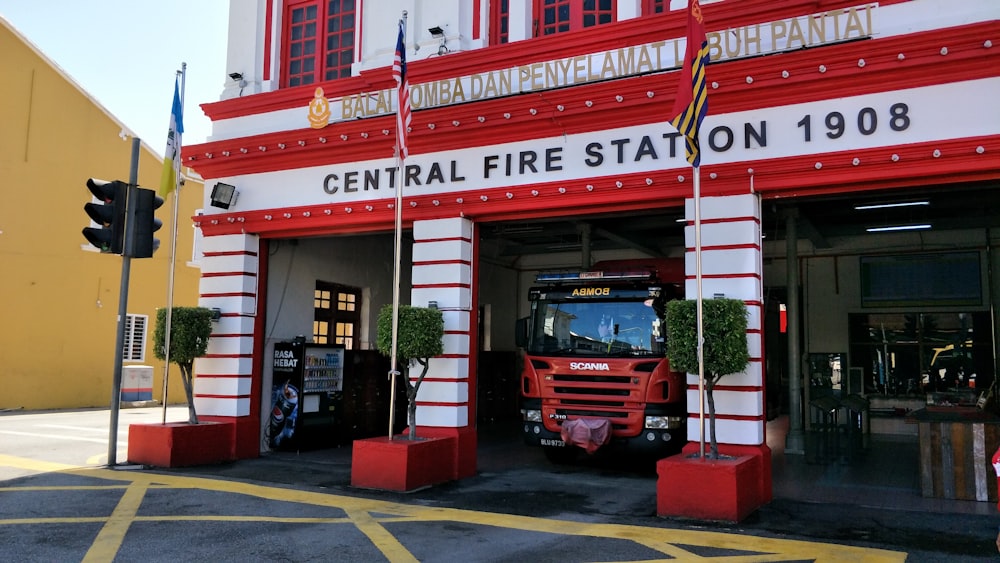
(849, 192)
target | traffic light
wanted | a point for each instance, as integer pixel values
(110, 215)
(146, 223)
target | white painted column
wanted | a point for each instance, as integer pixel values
(731, 267)
(229, 270)
(442, 273)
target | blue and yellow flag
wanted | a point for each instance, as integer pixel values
(691, 104)
(172, 156)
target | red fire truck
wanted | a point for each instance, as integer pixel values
(595, 347)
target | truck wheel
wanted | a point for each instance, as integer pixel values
(561, 456)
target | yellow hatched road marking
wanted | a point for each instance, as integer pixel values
(668, 541)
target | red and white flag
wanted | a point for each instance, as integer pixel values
(403, 114)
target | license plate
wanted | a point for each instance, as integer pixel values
(548, 442)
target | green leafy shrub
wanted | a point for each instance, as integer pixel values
(190, 329)
(724, 326)
(419, 338)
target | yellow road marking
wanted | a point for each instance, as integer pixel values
(110, 538)
(668, 541)
(380, 537)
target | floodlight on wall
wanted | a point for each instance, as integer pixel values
(238, 78)
(438, 33)
(224, 195)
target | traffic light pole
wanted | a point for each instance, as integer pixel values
(116, 385)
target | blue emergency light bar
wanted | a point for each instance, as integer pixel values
(556, 277)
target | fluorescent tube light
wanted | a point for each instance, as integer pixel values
(898, 228)
(888, 205)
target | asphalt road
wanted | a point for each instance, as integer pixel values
(60, 502)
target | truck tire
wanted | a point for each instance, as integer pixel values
(561, 455)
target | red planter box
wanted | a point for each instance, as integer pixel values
(179, 444)
(726, 490)
(401, 464)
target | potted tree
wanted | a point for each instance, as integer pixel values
(420, 331)
(724, 327)
(406, 463)
(190, 329)
(191, 443)
(714, 487)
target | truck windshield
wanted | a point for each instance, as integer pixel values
(621, 327)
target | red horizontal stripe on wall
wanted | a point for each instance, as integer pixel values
(751, 246)
(230, 253)
(446, 239)
(423, 404)
(228, 274)
(206, 396)
(723, 276)
(729, 417)
(454, 356)
(456, 332)
(429, 285)
(217, 356)
(443, 379)
(222, 375)
(441, 262)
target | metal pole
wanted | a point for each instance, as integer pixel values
(795, 440)
(116, 383)
(701, 325)
(173, 261)
(397, 249)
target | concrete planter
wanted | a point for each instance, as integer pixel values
(180, 444)
(721, 490)
(402, 465)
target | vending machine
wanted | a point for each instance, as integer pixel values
(306, 396)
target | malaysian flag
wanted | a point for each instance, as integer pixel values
(404, 113)
(691, 104)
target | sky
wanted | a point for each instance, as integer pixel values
(125, 54)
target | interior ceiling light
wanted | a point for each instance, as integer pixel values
(888, 205)
(898, 228)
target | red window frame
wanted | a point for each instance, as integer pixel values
(318, 40)
(650, 7)
(560, 16)
(499, 22)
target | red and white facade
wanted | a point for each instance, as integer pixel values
(564, 125)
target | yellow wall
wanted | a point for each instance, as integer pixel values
(59, 299)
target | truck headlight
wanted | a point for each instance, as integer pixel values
(663, 422)
(531, 415)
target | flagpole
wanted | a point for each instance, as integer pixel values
(701, 325)
(173, 259)
(398, 244)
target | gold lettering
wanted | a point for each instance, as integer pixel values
(564, 67)
(714, 46)
(458, 92)
(733, 43)
(536, 75)
(853, 24)
(592, 74)
(551, 74)
(835, 15)
(608, 67)
(444, 92)
(658, 49)
(752, 41)
(580, 68)
(817, 29)
(383, 104)
(359, 106)
(347, 107)
(795, 33)
(778, 31)
(490, 89)
(626, 61)
(477, 86)
(506, 79)
(644, 63)
(678, 54)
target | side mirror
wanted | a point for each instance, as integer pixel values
(521, 332)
